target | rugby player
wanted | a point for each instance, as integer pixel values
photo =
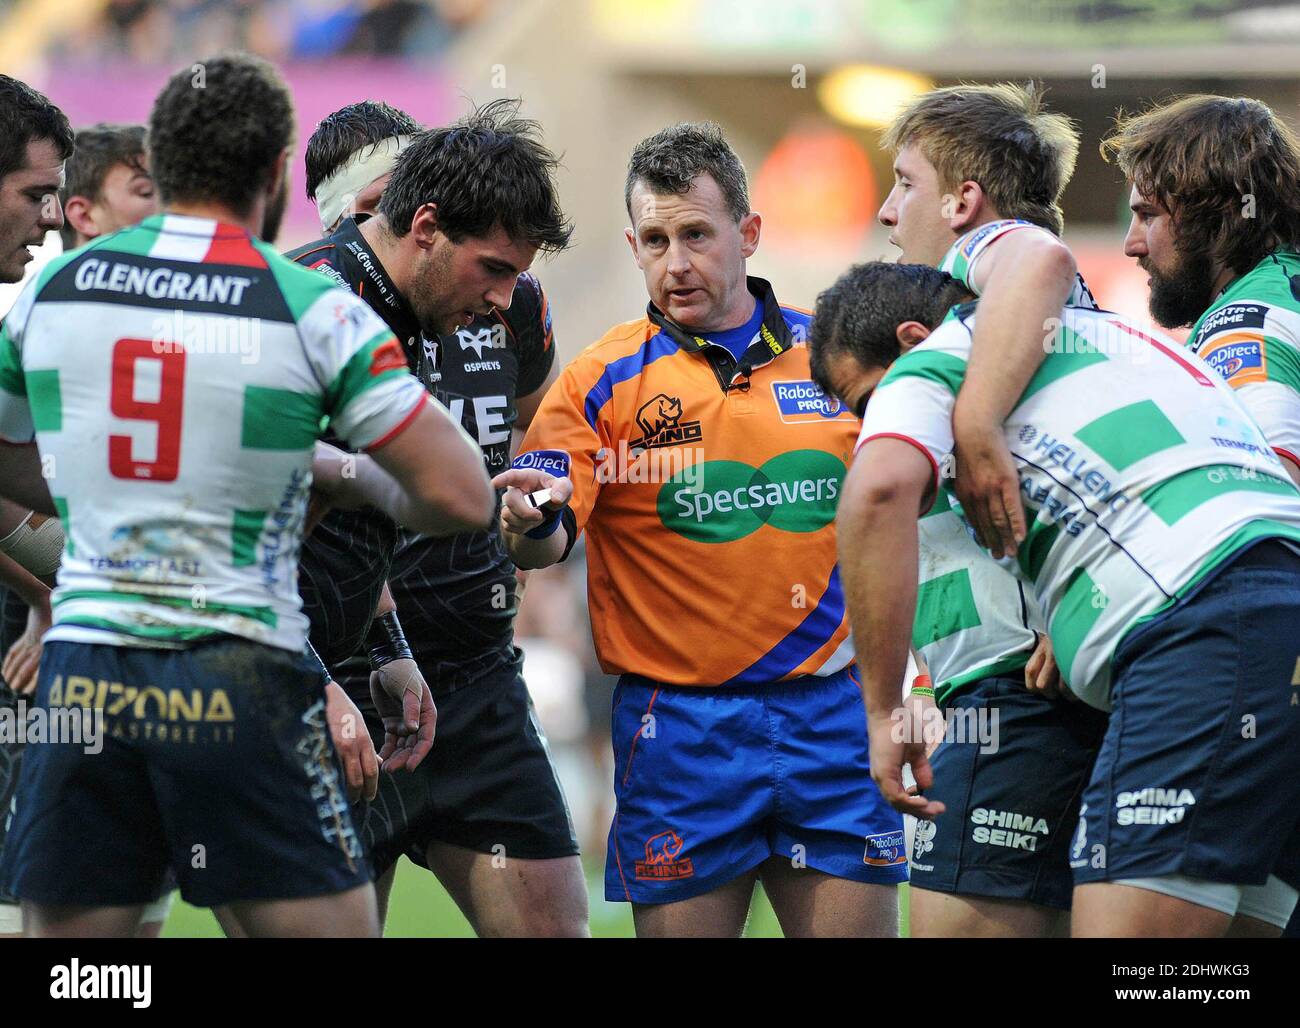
(35, 141)
(488, 788)
(1223, 262)
(704, 465)
(106, 187)
(176, 612)
(350, 158)
(108, 184)
(980, 170)
(1155, 547)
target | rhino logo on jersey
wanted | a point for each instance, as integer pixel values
(663, 411)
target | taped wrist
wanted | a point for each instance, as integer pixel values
(40, 549)
(385, 641)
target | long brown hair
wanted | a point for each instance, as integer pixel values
(1226, 169)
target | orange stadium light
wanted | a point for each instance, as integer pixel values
(816, 187)
(867, 96)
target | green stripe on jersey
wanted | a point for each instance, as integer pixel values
(1083, 603)
(356, 376)
(1040, 537)
(301, 287)
(137, 240)
(279, 419)
(61, 508)
(944, 606)
(245, 530)
(942, 505)
(1130, 434)
(1016, 662)
(170, 633)
(944, 368)
(1283, 362)
(46, 400)
(1076, 353)
(11, 368)
(1175, 498)
(263, 614)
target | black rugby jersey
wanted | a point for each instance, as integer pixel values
(455, 595)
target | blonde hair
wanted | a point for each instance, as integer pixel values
(998, 136)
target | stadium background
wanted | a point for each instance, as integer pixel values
(802, 88)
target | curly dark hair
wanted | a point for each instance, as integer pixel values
(1226, 169)
(347, 130)
(216, 129)
(26, 115)
(670, 160)
(489, 168)
(99, 149)
(859, 314)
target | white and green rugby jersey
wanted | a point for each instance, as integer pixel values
(175, 377)
(1251, 336)
(973, 618)
(965, 253)
(1139, 468)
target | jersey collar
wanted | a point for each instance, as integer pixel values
(373, 277)
(774, 335)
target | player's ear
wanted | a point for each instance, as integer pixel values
(76, 212)
(968, 203)
(278, 171)
(909, 333)
(424, 225)
(630, 236)
(751, 226)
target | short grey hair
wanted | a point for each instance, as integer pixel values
(670, 160)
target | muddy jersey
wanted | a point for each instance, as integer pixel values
(176, 376)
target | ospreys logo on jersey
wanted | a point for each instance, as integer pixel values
(490, 337)
(661, 424)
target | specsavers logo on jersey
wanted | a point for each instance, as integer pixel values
(804, 402)
(725, 500)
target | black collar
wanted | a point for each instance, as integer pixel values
(373, 283)
(774, 335)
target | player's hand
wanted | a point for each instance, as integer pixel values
(356, 751)
(988, 486)
(925, 712)
(405, 704)
(896, 740)
(517, 514)
(23, 660)
(1042, 676)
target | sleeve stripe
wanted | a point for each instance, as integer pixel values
(934, 465)
(399, 428)
(1288, 455)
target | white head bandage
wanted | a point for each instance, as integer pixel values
(336, 195)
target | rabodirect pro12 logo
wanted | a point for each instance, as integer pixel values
(804, 401)
(725, 500)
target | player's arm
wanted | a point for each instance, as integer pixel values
(429, 476)
(1023, 279)
(20, 476)
(888, 485)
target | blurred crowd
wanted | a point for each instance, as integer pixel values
(161, 31)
